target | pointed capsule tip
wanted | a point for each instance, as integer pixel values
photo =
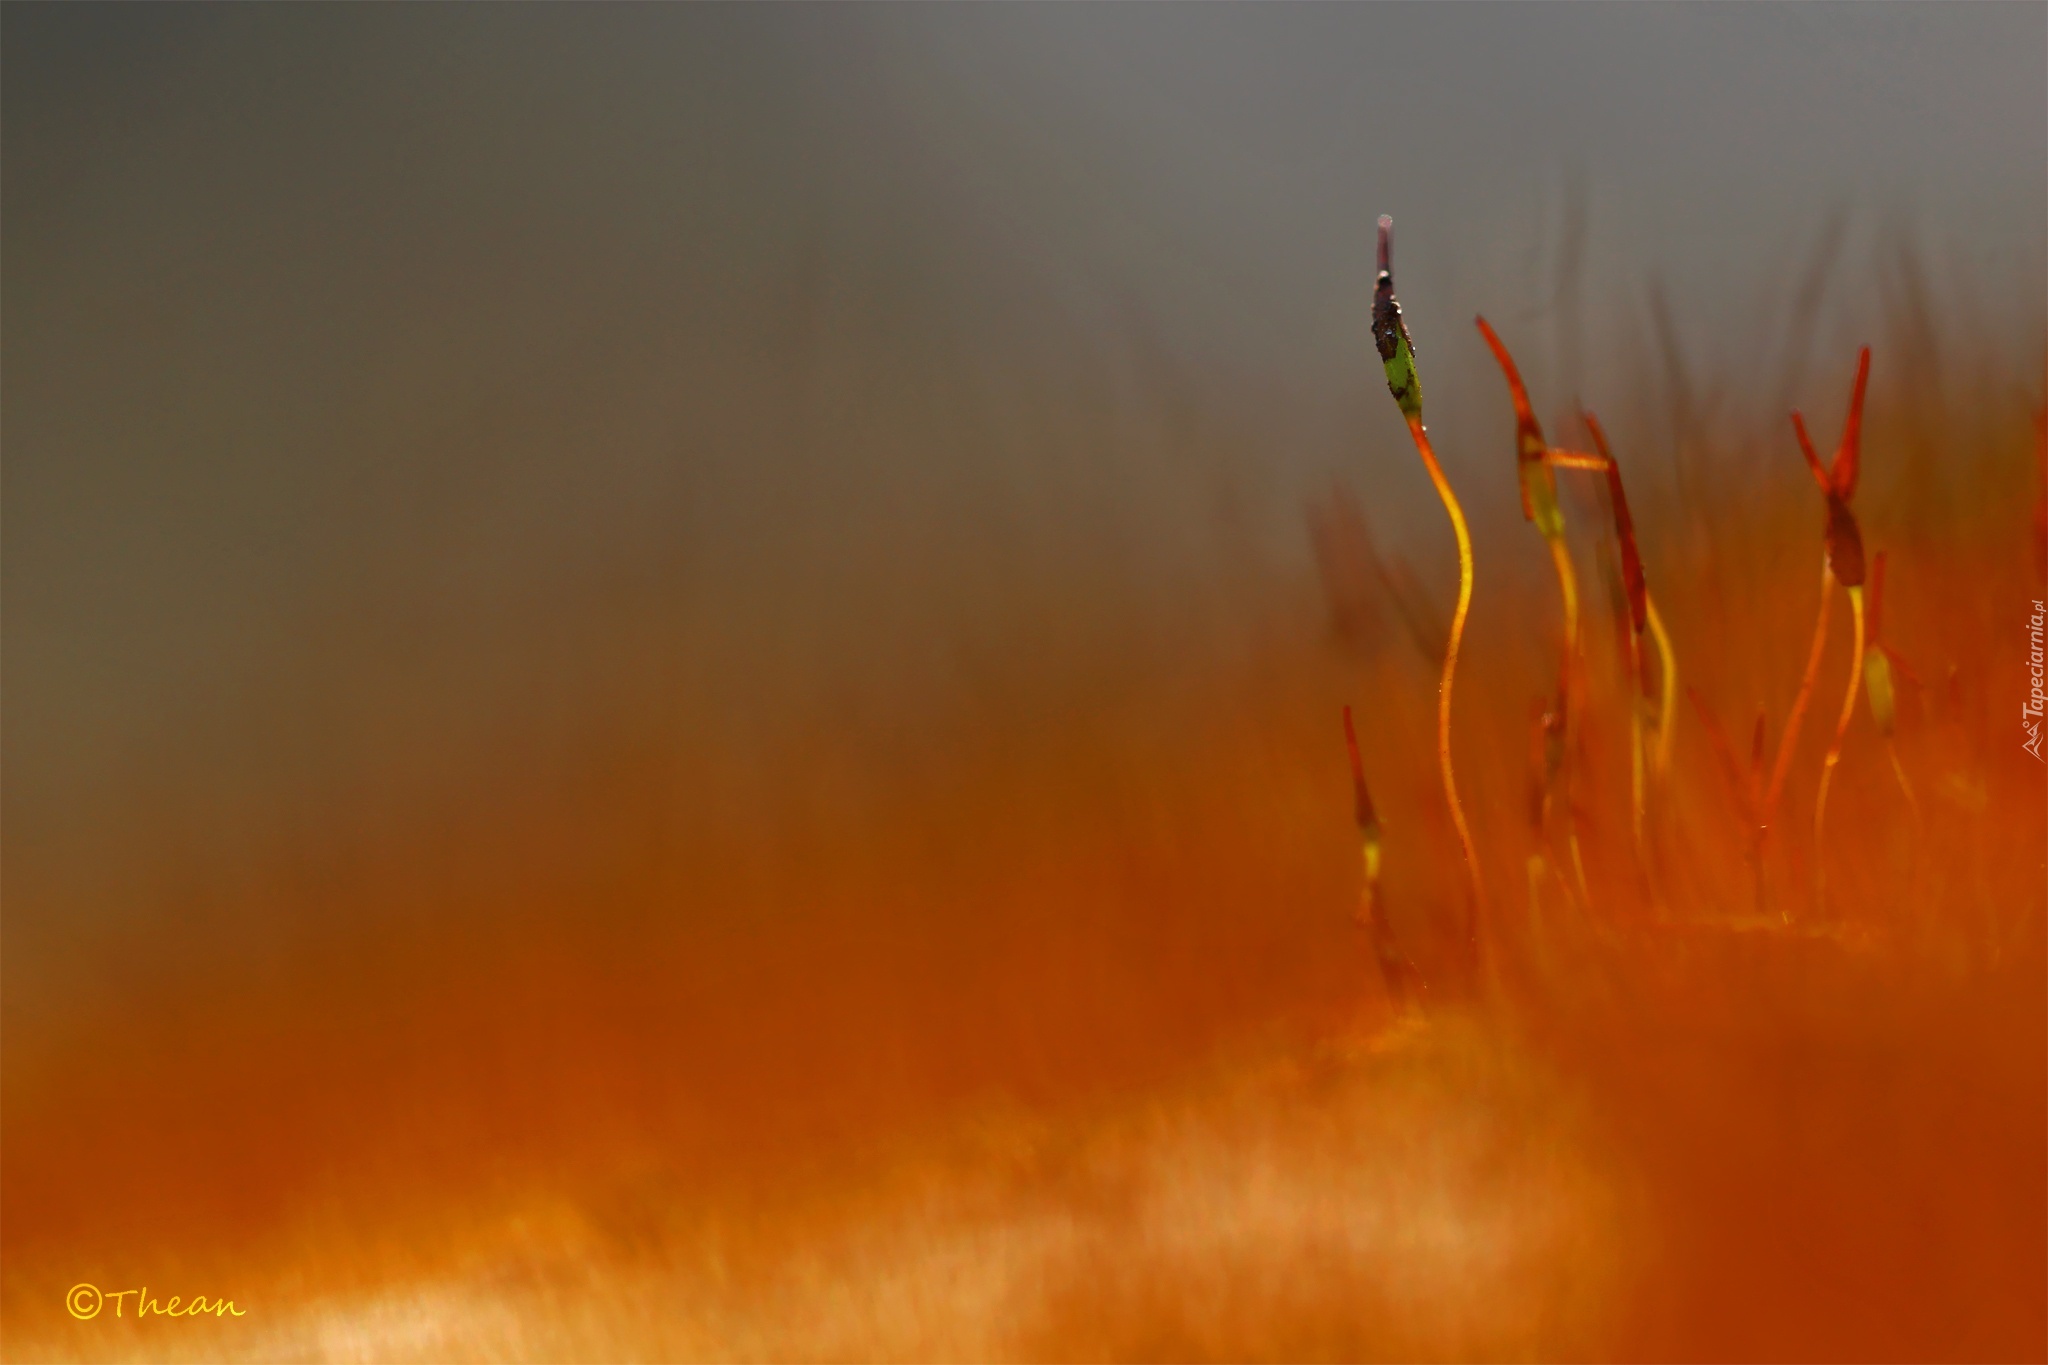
(1842, 473)
(1386, 242)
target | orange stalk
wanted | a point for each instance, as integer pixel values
(1667, 710)
(1568, 590)
(1642, 616)
(1878, 684)
(1402, 981)
(1841, 561)
(1786, 741)
(1635, 747)
(1638, 599)
(1538, 485)
(1368, 824)
(1827, 769)
(1397, 356)
(1568, 687)
(1450, 671)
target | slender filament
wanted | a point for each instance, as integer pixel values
(1891, 747)
(1667, 705)
(1568, 589)
(1783, 763)
(1827, 767)
(1635, 745)
(1568, 686)
(1443, 692)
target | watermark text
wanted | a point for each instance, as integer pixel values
(2030, 714)
(87, 1301)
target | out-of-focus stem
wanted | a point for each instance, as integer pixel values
(1635, 746)
(1403, 983)
(1368, 828)
(1827, 768)
(1539, 506)
(1891, 748)
(1881, 689)
(1642, 615)
(1789, 739)
(1667, 706)
(1443, 709)
(1568, 589)
(1568, 680)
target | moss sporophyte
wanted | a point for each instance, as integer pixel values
(1647, 657)
(1397, 355)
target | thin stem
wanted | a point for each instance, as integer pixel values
(1568, 687)
(1642, 615)
(1891, 747)
(1568, 589)
(1635, 742)
(1790, 737)
(1368, 827)
(1443, 710)
(1827, 768)
(1667, 713)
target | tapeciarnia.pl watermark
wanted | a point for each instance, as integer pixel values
(86, 1300)
(2030, 714)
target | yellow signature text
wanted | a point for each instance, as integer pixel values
(86, 1301)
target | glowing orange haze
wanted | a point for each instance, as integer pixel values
(1048, 1035)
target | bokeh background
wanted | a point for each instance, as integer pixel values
(690, 590)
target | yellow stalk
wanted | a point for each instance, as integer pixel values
(1443, 710)
(1568, 588)
(1667, 712)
